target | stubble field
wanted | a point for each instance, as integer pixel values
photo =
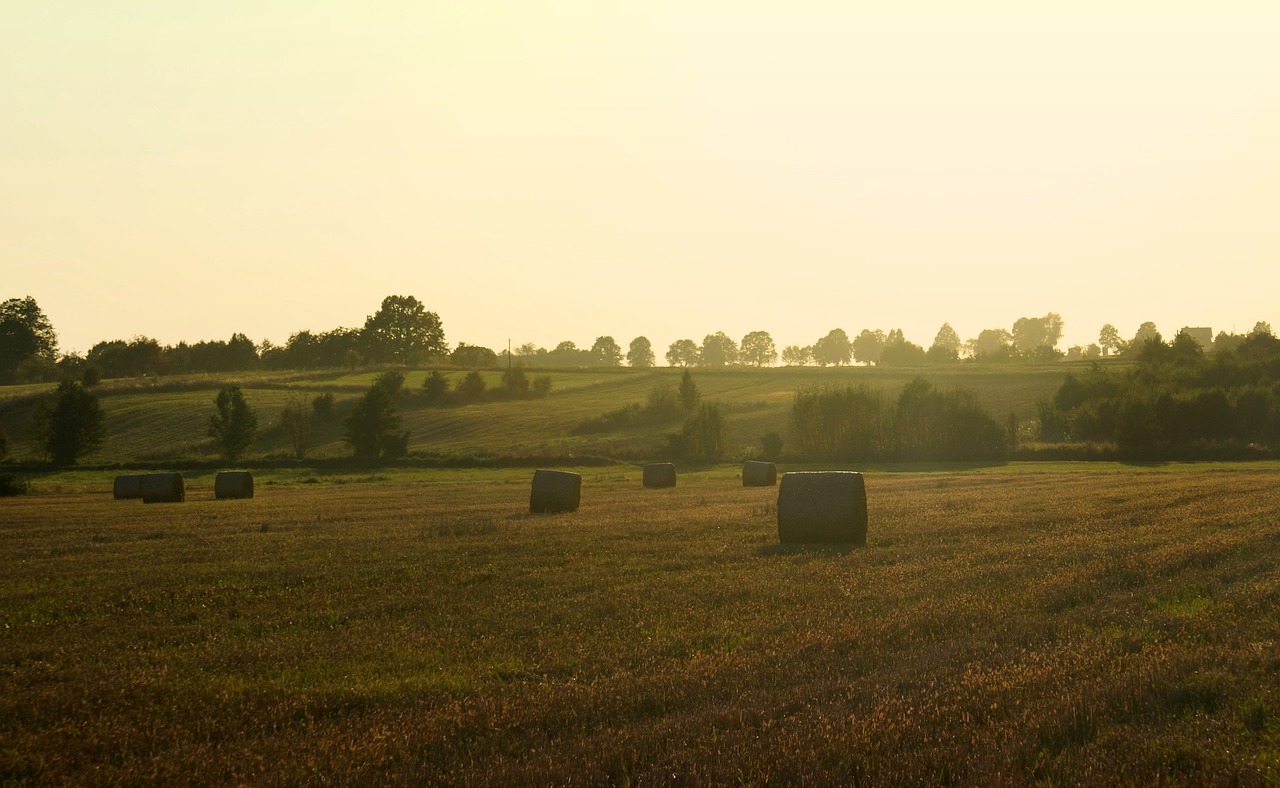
(1004, 625)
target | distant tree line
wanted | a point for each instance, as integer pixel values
(404, 332)
(1176, 400)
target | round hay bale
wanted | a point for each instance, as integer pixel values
(660, 474)
(163, 488)
(127, 486)
(233, 484)
(822, 506)
(759, 474)
(555, 491)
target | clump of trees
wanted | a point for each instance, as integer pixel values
(858, 423)
(1175, 401)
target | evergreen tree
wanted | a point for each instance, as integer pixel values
(372, 425)
(235, 425)
(70, 424)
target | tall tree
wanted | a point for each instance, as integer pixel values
(234, 424)
(796, 356)
(70, 424)
(758, 349)
(1109, 340)
(719, 350)
(1030, 334)
(372, 425)
(296, 421)
(606, 352)
(25, 335)
(899, 351)
(682, 353)
(1146, 332)
(688, 393)
(992, 344)
(868, 346)
(946, 345)
(403, 331)
(834, 349)
(640, 353)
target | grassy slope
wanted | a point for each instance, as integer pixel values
(167, 419)
(1092, 624)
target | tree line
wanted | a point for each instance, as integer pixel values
(403, 332)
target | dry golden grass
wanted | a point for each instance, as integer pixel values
(1001, 626)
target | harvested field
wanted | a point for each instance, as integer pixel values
(1106, 624)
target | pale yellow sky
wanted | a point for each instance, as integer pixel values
(543, 171)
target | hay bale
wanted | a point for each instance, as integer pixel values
(163, 488)
(759, 474)
(127, 486)
(660, 474)
(555, 491)
(233, 484)
(822, 506)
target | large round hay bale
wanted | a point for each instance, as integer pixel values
(163, 488)
(233, 484)
(555, 491)
(127, 486)
(759, 474)
(660, 474)
(822, 506)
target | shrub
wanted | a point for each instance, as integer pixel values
(704, 432)
(540, 387)
(770, 446)
(322, 406)
(435, 387)
(70, 424)
(13, 485)
(471, 388)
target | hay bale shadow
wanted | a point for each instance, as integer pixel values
(807, 548)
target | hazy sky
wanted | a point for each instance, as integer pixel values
(543, 171)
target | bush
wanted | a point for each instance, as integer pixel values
(13, 485)
(704, 432)
(770, 446)
(435, 387)
(540, 387)
(322, 406)
(70, 424)
(471, 388)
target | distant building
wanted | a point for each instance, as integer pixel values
(1202, 335)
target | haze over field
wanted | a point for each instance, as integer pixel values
(543, 171)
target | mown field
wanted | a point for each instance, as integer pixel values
(1029, 623)
(161, 420)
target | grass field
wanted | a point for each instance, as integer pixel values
(1029, 623)
(166, 419)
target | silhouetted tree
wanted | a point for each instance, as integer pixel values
(70, 424)
(372, 425)
(234, 424)
(473, 357)
(992, 344)
(605, 351)
(796, 356)
(640, 353)
(135, 358)
(946, 345)
(1145, 333)
(403, 331)
(1109, 340)
(868, 346)
(25, 335)
(295, 420)
(435, 386)
(688, 393)
(899, 351)
(1262, 327)
(704, 432)
(758, 349)
(718, 350)
(515, 384)
(471, 388)
(833, 349)
(682, 353)
(1030, 334)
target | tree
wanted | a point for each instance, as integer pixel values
(295, 419)
(688, 393)
(70, 424)
(946, 345)
(868, 346)
(515, 384)
(1262, 327)
(1109, 340)
(403, 331)
(719, 350)
(835, 348)
(234, 425)
(25, 335)
(1145, 333)
(471, 388)
(435, 386)
(992, 344)
(640, 353)
(796, 356)
(682, 353)
(704, 432)
(1030, 334)
(605, 351)
(473, 357)
(898, 351)
(372, 425)
(758, 349)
